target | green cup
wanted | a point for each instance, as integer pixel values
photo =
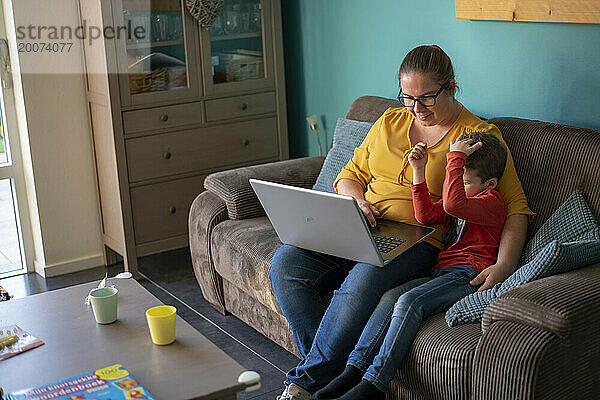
(104, 304)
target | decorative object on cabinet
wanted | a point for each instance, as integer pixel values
(205, 11)
(174, 105)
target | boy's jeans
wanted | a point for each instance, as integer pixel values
(301, 277)
(403, 309)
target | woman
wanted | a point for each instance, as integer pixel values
(378, 177)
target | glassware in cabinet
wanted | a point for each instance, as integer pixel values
(239, 44)
(157, 51)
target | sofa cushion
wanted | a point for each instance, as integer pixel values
(568, 240)
(552, 161)
(233, 188)
(242, 252)
(347, 136)
(439, 363)
(568, 223)
(369, 108)
(553, 259)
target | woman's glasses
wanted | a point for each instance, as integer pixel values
(425, 101)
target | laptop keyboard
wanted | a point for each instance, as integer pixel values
(385, 244)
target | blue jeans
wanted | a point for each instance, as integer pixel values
(325, 335)
(391, 330)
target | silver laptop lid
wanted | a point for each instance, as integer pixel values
(324, 222)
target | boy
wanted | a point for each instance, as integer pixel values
(474, 215)
(468, 197)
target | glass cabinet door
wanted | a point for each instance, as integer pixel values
(159, 51)
(240, 47)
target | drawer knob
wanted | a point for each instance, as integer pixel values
(167, 155)
(245, 142)
(243, 106)
(172, 210)
(164, 118)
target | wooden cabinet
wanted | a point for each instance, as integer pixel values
(169, 103)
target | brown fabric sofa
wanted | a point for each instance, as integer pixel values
(538, 341)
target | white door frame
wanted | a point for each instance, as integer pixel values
(14, 170)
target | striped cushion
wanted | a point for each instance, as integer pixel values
(242, 251)
(568, 240)
(507, 360)
(347, 136)
(233, 188)
(439, 362)
(552, 161)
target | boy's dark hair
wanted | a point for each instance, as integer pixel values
(489, 160)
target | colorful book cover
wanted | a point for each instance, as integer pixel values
(110, 383)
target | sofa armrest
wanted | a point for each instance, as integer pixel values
(233, 188)
(558, 303)
(206, 212)
(541, 340)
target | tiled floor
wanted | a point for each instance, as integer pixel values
(169, 276)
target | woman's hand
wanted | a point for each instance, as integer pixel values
(418, 156)
(354, 189)
(369, 211)
(465, 145)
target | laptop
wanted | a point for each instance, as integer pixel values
(334, 224)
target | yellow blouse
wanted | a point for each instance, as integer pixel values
(380, 165)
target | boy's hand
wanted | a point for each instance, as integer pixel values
(465, 145)
(418, 156)
(490, 276)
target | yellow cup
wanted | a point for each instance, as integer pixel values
(161, 321)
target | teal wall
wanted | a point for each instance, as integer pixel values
(338, 50)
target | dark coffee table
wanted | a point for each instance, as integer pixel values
(190, 368)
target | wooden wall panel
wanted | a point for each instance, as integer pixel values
(575, 11)
(147, 5)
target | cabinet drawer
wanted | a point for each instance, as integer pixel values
(161, 210)
(202, 148)
(234, 107)
(162, 117)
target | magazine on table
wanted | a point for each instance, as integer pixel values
(110, 383)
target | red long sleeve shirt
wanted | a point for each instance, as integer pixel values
(484, 215)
